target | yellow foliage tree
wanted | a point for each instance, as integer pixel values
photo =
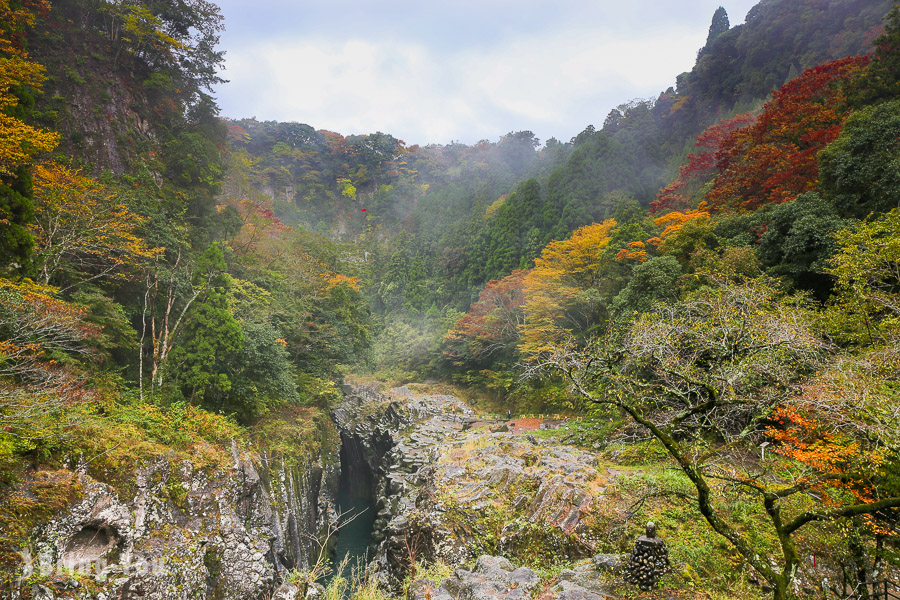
(82, 227)
(18, 141)
(561, 292)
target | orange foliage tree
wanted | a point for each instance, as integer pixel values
(674, 221)
(774, 160)
(835, 459)
(636, 250)
(672, 225)
(561, 292)
(841, 441)
(39, 335)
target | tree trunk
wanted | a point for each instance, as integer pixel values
(782, 588)
(859, 560)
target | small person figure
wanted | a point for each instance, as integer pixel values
(509, 415)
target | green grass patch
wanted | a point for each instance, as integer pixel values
(296, 433)
(647, 452)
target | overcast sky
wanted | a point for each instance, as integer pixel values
(433, 71)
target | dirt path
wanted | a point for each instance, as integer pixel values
(523, 425)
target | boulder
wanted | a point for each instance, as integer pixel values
(494, 578)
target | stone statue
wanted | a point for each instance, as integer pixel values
(649, 560)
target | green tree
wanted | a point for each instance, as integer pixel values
(653, 281)
(176, 38)
(416, 296)
(16, 212)
(860, 171)
(504, 247)
(867, 305)
(720, 24)
(392, 287)
(344, 323)
(799, 240)
(261, 373)
(19, 142)
(882, 81)
(702, 376)
(211, 334)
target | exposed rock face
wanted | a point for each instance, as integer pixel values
(539, 498)
(398, 435)
(444, 492)
(494, 578)
(584, 582)
(187, 532)
(303, 504)
(449, 493)
(370, 422)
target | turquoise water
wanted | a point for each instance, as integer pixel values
(356, 503)
(354, 537)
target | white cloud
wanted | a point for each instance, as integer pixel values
(555, 83)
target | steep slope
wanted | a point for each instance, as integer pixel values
(640, 145)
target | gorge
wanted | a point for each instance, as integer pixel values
(236, 351)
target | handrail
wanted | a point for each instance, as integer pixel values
(884, 589)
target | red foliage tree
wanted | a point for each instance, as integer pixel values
(237, 134)
(335, 142)
(700, 165)
(492, 324)
(774, 160)
(261, 229)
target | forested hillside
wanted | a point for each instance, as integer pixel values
(140, 287)
(438, 223)
(717, 266)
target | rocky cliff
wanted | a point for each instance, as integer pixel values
(449, 488)
(452, 488)
(398, 434)
(179, 530)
